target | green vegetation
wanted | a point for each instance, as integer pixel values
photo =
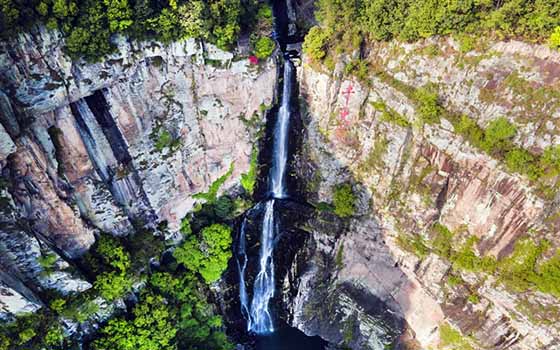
(47, 262)
(115, 282)
(170, 310)
(344, 200)
(264, 47)
(249, 180)
(389, 115)
(427, 105)
(212, 193)
(208, 254)
(414, 244)
(554, 39)
(453, 339)
(526, 268)
(496, 139)
(345, 25)
(339, 259)
(88, 25)
(315, 43)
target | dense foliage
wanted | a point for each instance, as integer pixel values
(208, 254)
(88, 25)
(344, 200)
(346, 24)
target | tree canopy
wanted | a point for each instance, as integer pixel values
(88, 25)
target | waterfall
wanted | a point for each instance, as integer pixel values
(258, 315)
(260, 320)
(242, 266)
(280, 143)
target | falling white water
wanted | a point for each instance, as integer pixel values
(260, 320)
(242, 266)
(280, 143)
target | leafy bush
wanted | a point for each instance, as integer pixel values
(498, 136)
(150, 328)
(315, 43)
(54, 336)
(112, 285)
(520, 161)
(554, 39)
(428, 106)
(414, 244)
(47, 262)
(264, 47)
(442, 240)
(208, 255)
(344, 200)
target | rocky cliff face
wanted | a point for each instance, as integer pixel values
(410, 175)
(111, 147)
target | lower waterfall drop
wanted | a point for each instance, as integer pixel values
(260, 319)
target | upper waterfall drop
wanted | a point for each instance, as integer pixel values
(277, 180)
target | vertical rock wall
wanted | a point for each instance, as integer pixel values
(111, 146)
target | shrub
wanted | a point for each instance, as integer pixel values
(185, 227)
(339, 260)
(442, 240)
(498, 136)
(47, 262)
(264, 47)
(315, 43)
(452, 338)
(223, 207)
(415, 244)
(470, 130)
(521, 161)
(344, 200)
(428, 105)
(54, 336)
(554, 39)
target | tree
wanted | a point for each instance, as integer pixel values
(208, 257)
(150, 328)
(119, 14)
(315, 43)
(112, 285)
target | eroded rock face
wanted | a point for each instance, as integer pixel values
(124, 143)
(410, 176)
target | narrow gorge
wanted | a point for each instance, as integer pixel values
(290, 174)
